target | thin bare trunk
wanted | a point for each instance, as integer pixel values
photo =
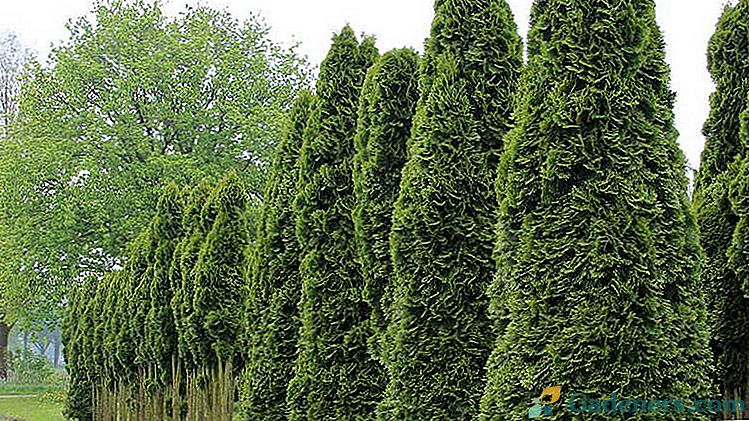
(4, 333)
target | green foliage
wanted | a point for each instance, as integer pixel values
(75, 327)
(443, 223)
(598, 258)
(196, 222)
(160, 328)
(334, 376)
(28, 367)
(386, 109)
(219, 274)
(275, 284)
(721, 214)
(134, 99)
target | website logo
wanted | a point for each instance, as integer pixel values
(542, 405)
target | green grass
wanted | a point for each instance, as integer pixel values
(31, 409)
(27, 389)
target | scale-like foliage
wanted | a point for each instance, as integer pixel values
(598, 283)
(386, 109)
(719, 222)
(196, 221)
(444, 218)
(219, 275)
(334, 377)
(74, 327)
(275, 284)
(160, 326)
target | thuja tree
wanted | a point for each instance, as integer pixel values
(219, 275)
(444, 217)
(274, 283)
(78, 405)
(160, 326)
(197, 219)
(386, 108)
(597, 286)
(728, 58)
(334, 376)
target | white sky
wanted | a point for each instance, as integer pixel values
(687, 25)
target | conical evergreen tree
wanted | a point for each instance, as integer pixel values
(443, 223)
(721, 223)
(334, 378)
(219, 274)
(386, 109)
(275, 284)
(196, 221)
(78, 405)
(160, 326)
(598, 282)
(140, 274)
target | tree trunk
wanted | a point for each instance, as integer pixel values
(4, 333)
(57, 349)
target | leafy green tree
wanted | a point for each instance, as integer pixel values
(275, 284)
(334, 376)
(386, 109)
(721, 221)
(444, 217)
(219, 274)
(135, 99)
(598, 255)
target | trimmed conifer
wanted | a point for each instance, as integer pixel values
(721, 221)
(75, 327)
(334, 377)
(443, 223)
(275, 284)
(386, 109)
(196, 221)
(160, 326)
(219, 274)
(598, 282)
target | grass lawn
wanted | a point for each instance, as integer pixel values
(30, 409)
(27, 389)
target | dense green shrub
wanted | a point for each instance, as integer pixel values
(386, 109)
(334, 377)
(443, 223)
(275, 284)
(597, 286)
(722, 222)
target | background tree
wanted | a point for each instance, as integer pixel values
(594, 221)
(386, 108)
(133, 100)
(334, 375)
(274, 283)
(13, 58)
(721, 221)
(443, 223)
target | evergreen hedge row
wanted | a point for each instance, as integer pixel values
(445, 237)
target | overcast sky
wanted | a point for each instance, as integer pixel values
(687, 25)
